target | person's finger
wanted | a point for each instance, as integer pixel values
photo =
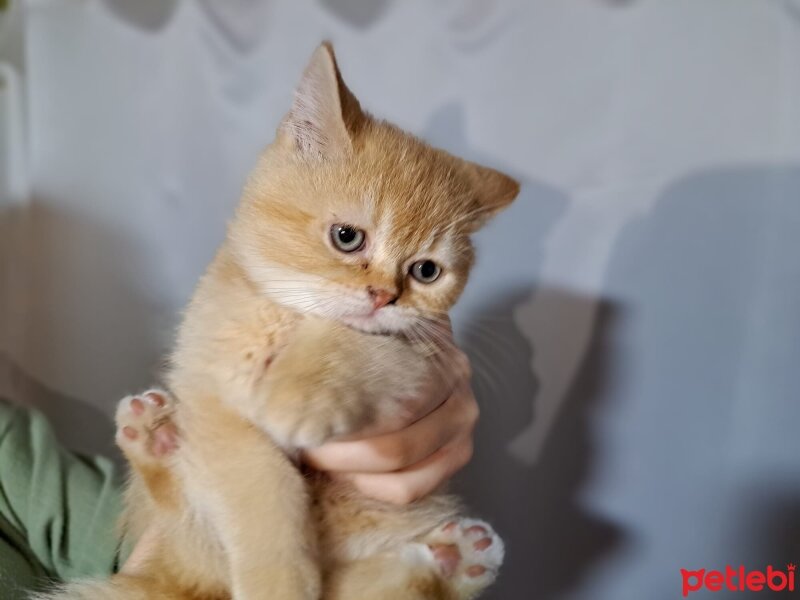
(456, 417)
(418, 481)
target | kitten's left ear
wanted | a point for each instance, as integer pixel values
(324, 114)
(495, 191)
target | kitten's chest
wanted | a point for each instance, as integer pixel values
(261, 338)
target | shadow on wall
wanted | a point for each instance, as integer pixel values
(552, 540)
(68, 415)
(768, 523)
(147, 15)
(358, 13)
(74, 309)
(712, 355)
(712, 272)
(79, 425)
(242, 24)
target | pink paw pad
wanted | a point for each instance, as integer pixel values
(448, 557)
(144, 425)
(467, 552)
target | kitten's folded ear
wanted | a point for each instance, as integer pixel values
(494, 191)
(324, 114)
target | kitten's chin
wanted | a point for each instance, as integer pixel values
(375, 324)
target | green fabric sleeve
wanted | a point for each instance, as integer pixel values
(58, 510)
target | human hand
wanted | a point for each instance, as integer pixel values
(407, 464)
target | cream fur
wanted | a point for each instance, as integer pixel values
(277, 351)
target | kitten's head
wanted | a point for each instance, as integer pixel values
(348, 217)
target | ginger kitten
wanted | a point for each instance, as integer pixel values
(318, 318)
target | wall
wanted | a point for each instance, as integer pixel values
(633, 318)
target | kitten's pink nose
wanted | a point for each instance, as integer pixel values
(380, 297)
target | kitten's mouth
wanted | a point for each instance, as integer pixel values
(370, 323)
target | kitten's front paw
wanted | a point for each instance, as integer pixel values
(298, 416)
(468, 553)
(145, 431)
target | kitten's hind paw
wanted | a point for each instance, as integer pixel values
(468, 553)
(145, 430)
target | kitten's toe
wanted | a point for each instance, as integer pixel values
(447, 557)
(468, 553)
(145, 430)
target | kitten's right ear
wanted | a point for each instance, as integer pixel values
(324, 113)
(494, 192)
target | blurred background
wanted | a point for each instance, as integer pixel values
(633, 319)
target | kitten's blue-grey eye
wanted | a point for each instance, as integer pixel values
(347, 238)
(425, 271)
